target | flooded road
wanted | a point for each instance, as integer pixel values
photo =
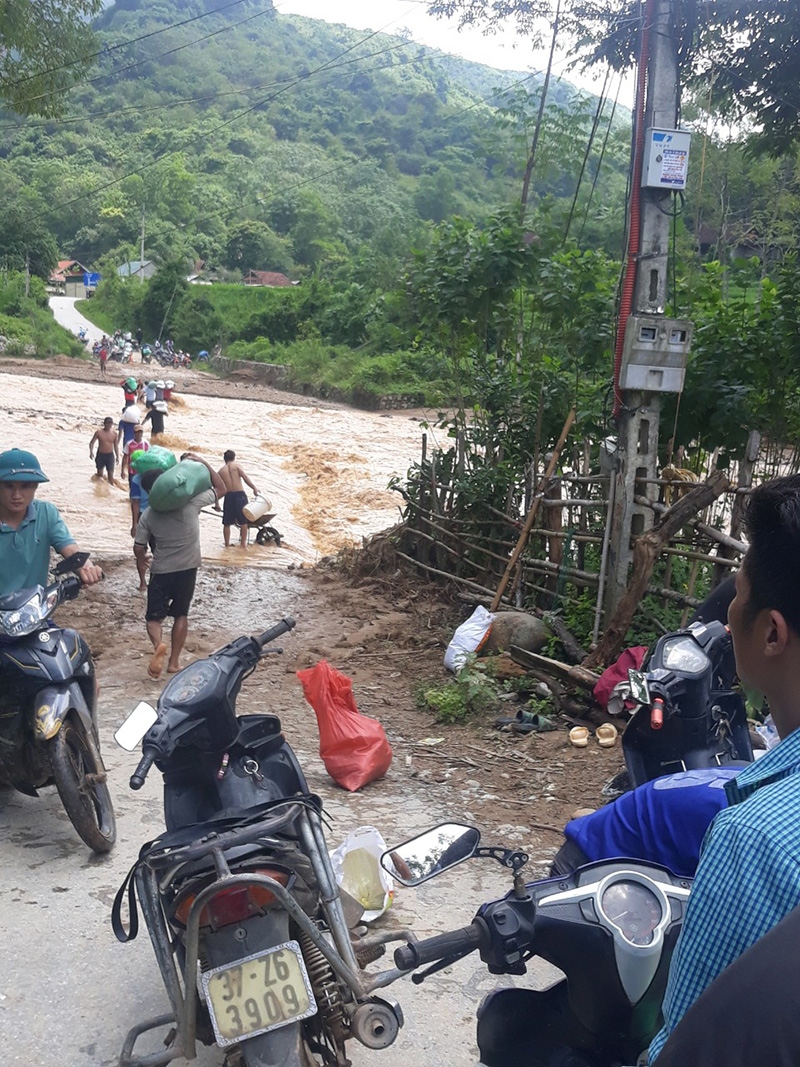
(325, 470)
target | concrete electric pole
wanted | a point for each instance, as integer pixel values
(651, 348)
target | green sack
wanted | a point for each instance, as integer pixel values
(155, 458)
(178, 485)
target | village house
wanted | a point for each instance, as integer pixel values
(68, 279)
(270, 278)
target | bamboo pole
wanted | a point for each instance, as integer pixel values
(526, 529)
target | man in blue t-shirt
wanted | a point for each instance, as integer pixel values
(663, 821)
(29, 529)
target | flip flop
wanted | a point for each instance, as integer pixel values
(157, 660)
(606, 735)
(579, 736)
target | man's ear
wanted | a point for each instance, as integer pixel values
(778, 634)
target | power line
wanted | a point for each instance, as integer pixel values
(122, 44)
(207, 133)
(161, 55)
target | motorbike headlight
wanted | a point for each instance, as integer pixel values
(684, 655)
(26, 618)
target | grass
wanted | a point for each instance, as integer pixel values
(95, 314)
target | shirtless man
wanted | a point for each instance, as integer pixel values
(235, 498)
(107, 441)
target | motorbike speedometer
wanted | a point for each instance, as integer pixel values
(634, 909)
(191, 682)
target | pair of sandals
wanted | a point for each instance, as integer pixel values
(606, 735)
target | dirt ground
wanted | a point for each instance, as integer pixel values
(388, 633)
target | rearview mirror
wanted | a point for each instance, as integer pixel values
(130, 734)
(422, 857)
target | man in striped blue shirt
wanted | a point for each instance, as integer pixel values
(748, 878)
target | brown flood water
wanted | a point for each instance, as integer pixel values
(325, 471)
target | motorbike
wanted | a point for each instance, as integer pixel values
(48, 707)
(181, 359)
(241, 887)
(690, 712)
(119, 355)
(147, 354)
(83, 335)
(610, 927)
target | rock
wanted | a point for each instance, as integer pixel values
(517, 628)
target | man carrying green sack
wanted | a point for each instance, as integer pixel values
(175, 537)
(157, 458)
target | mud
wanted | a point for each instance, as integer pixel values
(68, 990)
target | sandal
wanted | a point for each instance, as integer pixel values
(579, 736)
(606, 735)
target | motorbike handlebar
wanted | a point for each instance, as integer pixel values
(657, 713)
(283, 627)
(145, 763)
(456, 942)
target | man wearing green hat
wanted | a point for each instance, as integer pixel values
(28, 528)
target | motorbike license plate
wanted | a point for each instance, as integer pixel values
(258, 993)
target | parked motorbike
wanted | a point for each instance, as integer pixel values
(690, 711)
(83, 335)
(48, 707)
(610, 927)
(181, 359)
(241, 885)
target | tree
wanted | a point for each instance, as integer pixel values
(44, 48)
(25, 239)
(252, 245)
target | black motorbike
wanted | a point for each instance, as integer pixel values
(240, 886)
(690, 710)
(48, 707)
(610, 927)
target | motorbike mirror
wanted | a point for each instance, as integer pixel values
(130, 734)
(71, 563)
(640, 690)
(428, 854)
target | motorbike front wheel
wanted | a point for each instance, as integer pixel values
(82, 787)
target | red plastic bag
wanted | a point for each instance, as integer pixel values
(629, 658)
(353, 747)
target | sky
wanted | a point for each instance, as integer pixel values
(505, 51)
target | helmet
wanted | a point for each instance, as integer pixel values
(17, 465)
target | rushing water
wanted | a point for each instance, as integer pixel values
(324, 470)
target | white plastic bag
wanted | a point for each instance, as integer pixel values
(358, 871)
(469, 637)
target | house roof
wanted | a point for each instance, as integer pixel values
(67, 268)
(266, 277)
(133, 266)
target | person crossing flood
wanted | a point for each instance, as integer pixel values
(107, 441)
(232, 476)
(175, 537)
(155, 416)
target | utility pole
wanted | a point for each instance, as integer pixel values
(638, 407)
(27, 273)
(141, 251)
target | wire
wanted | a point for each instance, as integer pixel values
(600, 160)
(601, 101)
(113, 48)
(152, 59)
(206, 133)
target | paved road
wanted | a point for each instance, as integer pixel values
(65, 314)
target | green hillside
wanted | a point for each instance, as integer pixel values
(250, 139)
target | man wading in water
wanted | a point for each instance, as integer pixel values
(235, 498)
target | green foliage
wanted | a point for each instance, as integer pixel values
(470, 693)
(41, 45)
(27, 324)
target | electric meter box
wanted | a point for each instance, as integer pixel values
(655, 353)
(666, 159)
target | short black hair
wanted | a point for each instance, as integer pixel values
(772, 563)
(107, 420)
(148, 479)
(229, 456)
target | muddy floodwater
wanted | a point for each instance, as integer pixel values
(325, 471)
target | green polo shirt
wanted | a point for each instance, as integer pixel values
(25, 552)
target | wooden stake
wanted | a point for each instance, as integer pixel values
(530, 517)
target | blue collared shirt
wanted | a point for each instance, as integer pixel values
(25, 552)
(747, 881)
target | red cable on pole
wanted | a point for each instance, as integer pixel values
(629, 277)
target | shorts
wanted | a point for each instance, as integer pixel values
(170, 594)
(104, 461)
(135, 487)
(232, 504)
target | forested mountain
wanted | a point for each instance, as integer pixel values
(252, 139)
